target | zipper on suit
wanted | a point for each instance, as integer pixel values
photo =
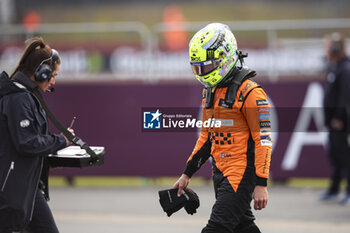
(12, 167)
(211, 131)
(37, 184)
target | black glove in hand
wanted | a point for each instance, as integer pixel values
(192, 204)
(171, 203)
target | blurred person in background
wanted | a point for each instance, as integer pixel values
(241, 147)
(26, 142)
(336, 109)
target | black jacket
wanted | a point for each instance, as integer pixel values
(24, 144)
(337, 91)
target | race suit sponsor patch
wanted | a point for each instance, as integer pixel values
(265, 124)
(265, 131)
(264, 117)
(263, 109)
(265, 142)
(262, 102)
(265, 137)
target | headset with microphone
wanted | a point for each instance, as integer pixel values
(51, 89)
(44, 71)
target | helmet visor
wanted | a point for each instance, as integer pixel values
(205, 67)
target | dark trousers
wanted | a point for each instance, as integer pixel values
(42, 220)
(231, 212)
(339, 156)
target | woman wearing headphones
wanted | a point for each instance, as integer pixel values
(25, 141)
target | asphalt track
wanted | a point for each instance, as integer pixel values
(137, 210)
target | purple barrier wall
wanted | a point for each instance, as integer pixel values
(109, 114)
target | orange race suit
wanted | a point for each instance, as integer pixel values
(241, 146)
(240, 149)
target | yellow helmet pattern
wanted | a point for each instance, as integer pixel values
(213, 53)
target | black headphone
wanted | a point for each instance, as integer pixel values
(44, 71)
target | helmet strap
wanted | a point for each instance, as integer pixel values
(209, 96)
(238, 78)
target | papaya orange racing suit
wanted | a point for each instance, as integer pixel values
(240, 149)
